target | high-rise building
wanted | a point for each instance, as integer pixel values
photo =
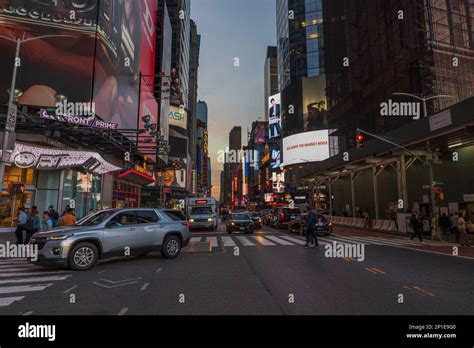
(179, 11)
(427, 50)
(202, 111)
(195, 42)
(270, 77)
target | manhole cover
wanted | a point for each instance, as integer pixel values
(198, 247)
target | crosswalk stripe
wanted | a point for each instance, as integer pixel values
(6, 301)
(294, 240)
(356, 240)
(262, 240)
(15, 260)
(228, 241)
(338, 241)
(10, 267)
(34, 279)
(19, 274)
(377, 240)
(23, 288)
(245, 241)
(195, 239)
(279, 240)
(213, 241)
(15, 269)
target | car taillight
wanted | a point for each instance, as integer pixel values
(186, 224)
(282, 216)
(330, 224)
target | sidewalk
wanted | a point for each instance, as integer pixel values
(442, 247)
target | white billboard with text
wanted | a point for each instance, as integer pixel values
(306, 147)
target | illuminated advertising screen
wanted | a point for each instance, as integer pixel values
(97, 59)
(275, 159)
(274, 116)
(306, 147)
(278, 182)
(259, 134)
(172, 178)
(178, 117)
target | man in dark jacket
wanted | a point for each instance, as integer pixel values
(417, 226)
(310, 227)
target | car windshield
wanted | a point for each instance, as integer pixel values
(239, 217)
(95, 219)
(201, 210)
(255, 215)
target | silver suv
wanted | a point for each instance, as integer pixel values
(110, 233)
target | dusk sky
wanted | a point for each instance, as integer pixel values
(230, 29)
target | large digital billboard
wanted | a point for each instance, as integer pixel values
(98, 61)
(306, 147)
(274, 116)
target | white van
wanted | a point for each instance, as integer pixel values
(202, 213)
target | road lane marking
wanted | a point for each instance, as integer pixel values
(279, 240)
(245, 241)
(28, 313)
(144, 286)
(158, 270)
(263, 241)
(370, 270)
(23, 288)
(123, 311)
(19, 274)
(195, 239)
(119, 281)
(28, 265)
(34, 279)
(213, 241)
(70, 289)
(228, 241)
(423, 291)
(294, 240)
(6, 301)
(7, 261)
(378, 270)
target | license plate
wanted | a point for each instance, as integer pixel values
(293, 216)
(242, 228)
(319, 224)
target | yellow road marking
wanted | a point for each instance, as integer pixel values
(419, 290)
(423, 291)
(378, 270)
(370, 270)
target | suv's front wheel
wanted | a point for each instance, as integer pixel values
(83, 256)
(171, 247)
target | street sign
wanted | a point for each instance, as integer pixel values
(11, 118)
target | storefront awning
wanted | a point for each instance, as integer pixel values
(136, 177)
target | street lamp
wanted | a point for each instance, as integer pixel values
(10, 123)
(424, 100)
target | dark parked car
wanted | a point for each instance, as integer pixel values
(240, 222)
(299, 225)
(257, 220)
(282, 216)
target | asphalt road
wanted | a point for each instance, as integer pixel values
(268, 275)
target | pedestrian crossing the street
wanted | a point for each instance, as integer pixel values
(18, 278)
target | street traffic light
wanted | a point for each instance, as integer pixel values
(360, 141)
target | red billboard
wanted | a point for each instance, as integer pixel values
(101, 62)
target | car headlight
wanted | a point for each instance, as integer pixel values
(191, 220)
(60, 237)
(210, 219)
